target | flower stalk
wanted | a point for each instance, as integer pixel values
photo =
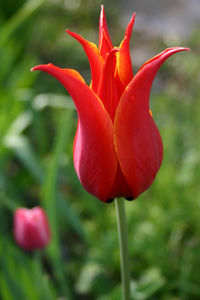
(123, 244)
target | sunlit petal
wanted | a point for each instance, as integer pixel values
(124, 65)
(105, 44)
(107, 91)
(95, 59)
(95, 159)
(137, 139)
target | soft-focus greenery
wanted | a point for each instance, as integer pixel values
(37, 126)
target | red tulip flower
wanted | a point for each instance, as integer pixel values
(31, 228)
(117, 149)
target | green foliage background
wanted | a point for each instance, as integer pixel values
(37, 126)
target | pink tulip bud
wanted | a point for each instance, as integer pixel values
(31, 228)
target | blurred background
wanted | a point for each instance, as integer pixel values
(37, 126)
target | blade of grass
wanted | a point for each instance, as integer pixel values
(42, 282)
(8, 203)
(71, 217)
(9, 286)
(23, 150)
(21, 16)
(50, 195)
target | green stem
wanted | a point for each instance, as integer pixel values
(123, 244)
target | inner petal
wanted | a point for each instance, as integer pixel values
(107, 90)
(120, 186)
(105, 44)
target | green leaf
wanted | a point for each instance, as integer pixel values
(21, 16)
(20, 145)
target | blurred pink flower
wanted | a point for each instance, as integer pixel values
(31, 228)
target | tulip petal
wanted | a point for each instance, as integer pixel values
(95, 159)
(94, 57)
(120, 186)
(137, 140)
(124, 65)
(105, 44)
(107, 90)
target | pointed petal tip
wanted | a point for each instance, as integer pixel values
(177, 49)
(169, 51)
(102, 8)
(162, 56)
(41, 67)
(102, 13)
(186, 49)
(69, 31)
(133, 17)
(74, 35)
(78, 37)
(129, 28)
(174, 50)
(35, 68)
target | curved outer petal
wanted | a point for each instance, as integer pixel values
(94, 153)
(95, 59)
(105, 44)
(107, 90)
(137, 140)
(124, 65)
